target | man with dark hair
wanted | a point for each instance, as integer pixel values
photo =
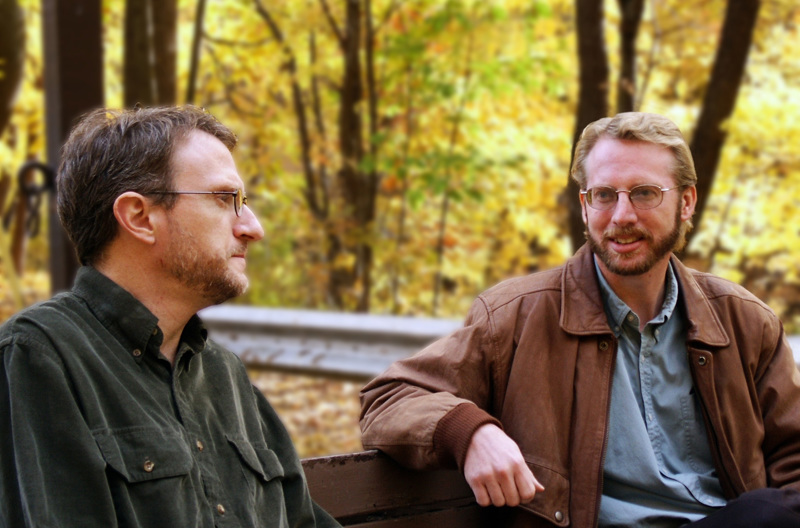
(115, 410)
(621, 389)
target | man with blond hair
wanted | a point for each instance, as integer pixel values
(620, 389)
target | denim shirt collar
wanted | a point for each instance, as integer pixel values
(617, 311)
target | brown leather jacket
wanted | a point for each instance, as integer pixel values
(537, 355)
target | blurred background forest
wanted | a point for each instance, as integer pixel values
(405, 155)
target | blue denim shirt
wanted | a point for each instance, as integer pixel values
(658, 470)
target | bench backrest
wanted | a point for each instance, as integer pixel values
(369, 490)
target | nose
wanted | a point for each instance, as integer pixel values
(624, 212)
(247, 226)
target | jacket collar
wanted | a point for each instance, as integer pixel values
(582, 311)
(705, 328)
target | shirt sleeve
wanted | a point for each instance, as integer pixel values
(423, 410)
(302, 511)
(51, 471)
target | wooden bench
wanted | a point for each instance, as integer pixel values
(369, 490)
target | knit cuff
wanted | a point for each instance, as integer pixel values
(454, 432)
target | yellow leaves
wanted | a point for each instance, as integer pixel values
(32, 287)
(320, 414)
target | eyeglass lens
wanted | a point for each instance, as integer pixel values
(239, 200)
(641, 196)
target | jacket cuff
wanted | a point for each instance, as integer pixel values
(454, 432)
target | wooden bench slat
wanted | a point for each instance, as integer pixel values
(369, 490)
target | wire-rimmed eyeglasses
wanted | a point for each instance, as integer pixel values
(645, 196)
(239, 197)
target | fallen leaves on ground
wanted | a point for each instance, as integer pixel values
(321, 414)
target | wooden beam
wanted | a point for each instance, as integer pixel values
(369, 490)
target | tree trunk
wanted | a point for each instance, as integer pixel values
(629, 30)
(353, 279)
(593, 94)
(12, 56)
(721, 94)
(199, 17)
(149, 71)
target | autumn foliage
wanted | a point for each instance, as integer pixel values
(407, 155)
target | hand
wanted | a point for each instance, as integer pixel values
(495, 470)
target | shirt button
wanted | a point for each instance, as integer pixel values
(148, 466)
(199, 445)
(559, 516)
(220, 509)
(631, 317)
(155, 331)
(137, 352)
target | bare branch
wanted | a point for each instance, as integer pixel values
(273, 27)
(195, 59)
(290, 64)
(230, 90)
(372, 101)
(316, 104)
(236, 43)
(394, 6)
(340, 38)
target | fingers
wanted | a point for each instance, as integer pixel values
(506, 489)
(496, 471)
(527, 486)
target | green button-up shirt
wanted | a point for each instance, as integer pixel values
(97, 429)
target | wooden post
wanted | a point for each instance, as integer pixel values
(73, 76)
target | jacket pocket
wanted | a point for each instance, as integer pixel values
(144, 453)
(553, 503)
(258, 457)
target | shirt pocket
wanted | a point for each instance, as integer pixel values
(145, 453)
(258, 457)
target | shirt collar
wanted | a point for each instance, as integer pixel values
(126, 317)
(617, 310)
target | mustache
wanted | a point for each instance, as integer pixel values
(239, 250)
(624, 232)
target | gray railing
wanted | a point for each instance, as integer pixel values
(346, 345)
(353, 346)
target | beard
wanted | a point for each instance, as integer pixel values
(202, 272)
(635, 263)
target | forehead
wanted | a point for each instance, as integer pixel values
(625, 163)
(203, 162)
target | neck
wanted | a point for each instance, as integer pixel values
(644, 294)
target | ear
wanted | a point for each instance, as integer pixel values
(688, 202)
(134, 213)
